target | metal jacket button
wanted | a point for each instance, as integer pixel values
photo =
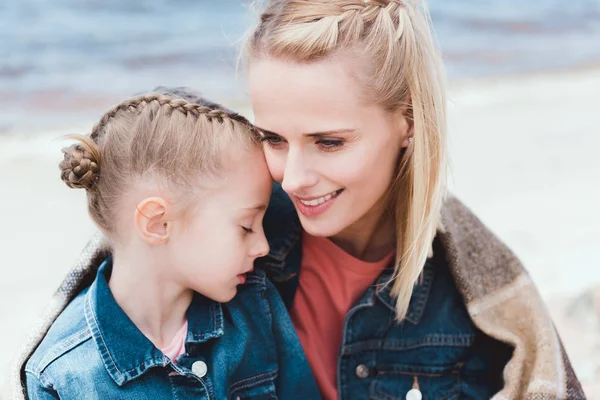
(414, 394)
(199, 368)
(362, 371)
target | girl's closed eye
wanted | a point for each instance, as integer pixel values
(247, 229)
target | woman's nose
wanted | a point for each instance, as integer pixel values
(297, 174)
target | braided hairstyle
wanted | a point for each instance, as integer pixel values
(389, 50)
(169, 134)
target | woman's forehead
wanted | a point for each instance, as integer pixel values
(324, 80)
(308, 97)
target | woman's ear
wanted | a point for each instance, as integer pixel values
(407, 139)
(405, 126)
(151, 220)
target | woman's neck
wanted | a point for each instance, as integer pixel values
(371, 238)
(151, 299)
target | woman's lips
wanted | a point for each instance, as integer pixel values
(311, 207)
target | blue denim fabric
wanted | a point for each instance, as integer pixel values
(249, 346)
(437, 346)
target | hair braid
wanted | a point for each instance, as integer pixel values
(177, 104)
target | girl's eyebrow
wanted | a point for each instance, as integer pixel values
(258, 207)
(312, 134)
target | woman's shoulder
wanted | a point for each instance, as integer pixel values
(479, 260)
(457, 216)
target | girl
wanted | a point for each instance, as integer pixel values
(179, 187)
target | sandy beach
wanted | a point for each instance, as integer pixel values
(524, 154)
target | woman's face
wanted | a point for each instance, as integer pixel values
(334, 155)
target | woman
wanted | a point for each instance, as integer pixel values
(395, 289)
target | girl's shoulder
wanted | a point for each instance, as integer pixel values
(68, 332)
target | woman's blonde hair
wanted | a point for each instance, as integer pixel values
(403, 72)
(169, 134)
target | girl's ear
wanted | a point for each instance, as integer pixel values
(151, 220)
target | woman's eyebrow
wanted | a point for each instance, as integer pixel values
(264, 131)
(312, 134)
(330, 132)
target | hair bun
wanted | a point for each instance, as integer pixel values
(80, 168)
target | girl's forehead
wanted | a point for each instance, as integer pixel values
(246, 183)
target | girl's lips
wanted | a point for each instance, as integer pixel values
(243, 277)
(314, 210)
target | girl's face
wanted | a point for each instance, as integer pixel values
(217, 242)
(334, 155)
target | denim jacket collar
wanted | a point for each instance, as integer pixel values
(124, 349)
(284, 232)
(419, 296)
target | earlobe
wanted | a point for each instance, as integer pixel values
(404, 126)
(151, 220)
(408, 139)
(407, 134)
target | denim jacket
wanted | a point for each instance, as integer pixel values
(244, 349)
(437, 348)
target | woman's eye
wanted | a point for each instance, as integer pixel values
(272, 140)
(247, 230)
(330, 144)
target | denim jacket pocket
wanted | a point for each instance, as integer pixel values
(434, 383)
(432, 363)
(259, 387)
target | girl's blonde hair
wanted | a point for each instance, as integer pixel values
(170, 134)
(401, 70)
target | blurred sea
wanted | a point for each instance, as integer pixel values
(62, 61)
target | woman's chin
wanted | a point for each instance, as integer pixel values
(321, 228)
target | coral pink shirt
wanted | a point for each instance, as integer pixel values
(331, 282)
(177, 346)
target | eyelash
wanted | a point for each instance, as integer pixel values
(247, 230)
(328, 145)
(325, 145)
(269, 141)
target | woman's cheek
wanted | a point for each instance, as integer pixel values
(275, 163)
(350, 167)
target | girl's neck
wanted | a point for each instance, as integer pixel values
(150, 297)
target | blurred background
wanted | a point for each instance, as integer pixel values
(524, 117)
